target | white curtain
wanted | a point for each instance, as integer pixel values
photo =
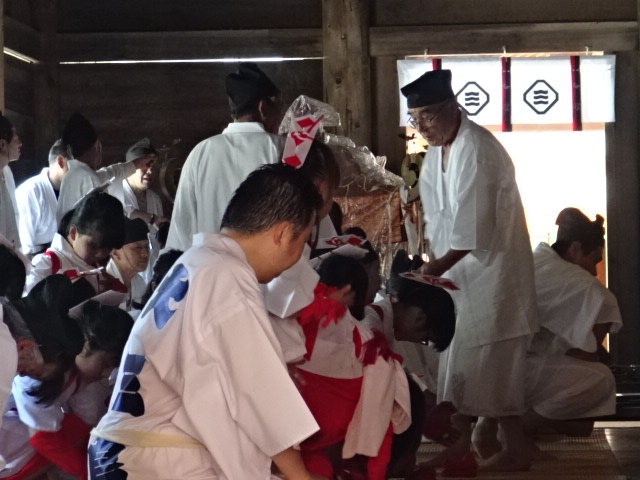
(541, 90)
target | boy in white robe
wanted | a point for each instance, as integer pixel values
(37, 199)
(203, 391)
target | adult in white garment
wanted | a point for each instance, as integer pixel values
(9, 151)
(37, 199)
(568, 377)
(85, 173)
(140, 201)
(203, 391)
(476, 229)
(217, 165)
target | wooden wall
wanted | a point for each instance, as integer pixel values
(359, 42)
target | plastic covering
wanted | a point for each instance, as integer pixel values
(369, 194)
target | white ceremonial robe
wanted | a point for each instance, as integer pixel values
(22, 413)
(41, 266)
(203, 391)
(154, 206)
(212, 172)
(37, 206)
(81, 178)
(475, 205)
(134, 294)
(420, 360)
(8, 208)
(571, 302)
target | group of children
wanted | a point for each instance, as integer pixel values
(345, 371)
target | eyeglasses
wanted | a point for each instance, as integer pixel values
(424, 117)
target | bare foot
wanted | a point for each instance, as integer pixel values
(485, 437)
(505, 461)
(457, 450)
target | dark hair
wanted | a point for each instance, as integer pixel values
(575, 226)
(371, 255)
(320, 164)
(45, 313)
(59, 148)
(437, 305)
(270, 195)
(252, 108)
(160, 268)
(105, 328)
(99, 215)
(339, 271)
(6, 128)
(14, 322)
(163, 233)
(336, 216)
(14, 274)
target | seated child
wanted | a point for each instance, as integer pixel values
(356, 412)
(50, 412)
(85, 238)
(129, 261)
(414, 316)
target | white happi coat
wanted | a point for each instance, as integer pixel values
(571, 302)
(81, 178)
(203, 371)
(212, 172)
(475, 205)
(37, 206)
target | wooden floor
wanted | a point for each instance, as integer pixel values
(612, 452)
(625, 445)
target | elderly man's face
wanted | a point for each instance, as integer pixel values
(436, 123)
(143, 177)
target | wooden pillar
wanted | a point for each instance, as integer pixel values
(623, 198)
(388, 138)
(346, 66)
(2, 103)
(47, 94)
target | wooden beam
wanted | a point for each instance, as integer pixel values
(296, 42)
(623, 196)
(47, 79)
(21, 38)
(517, 38)
(346, 66)
(387, 130)
(2, 69)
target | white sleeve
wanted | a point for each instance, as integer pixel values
(34, 415)
(119, 171)
(29, 217)
(40, 269)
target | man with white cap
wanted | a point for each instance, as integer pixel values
(83, 174)
(134, 192)
(476, 228)
(217, 165)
